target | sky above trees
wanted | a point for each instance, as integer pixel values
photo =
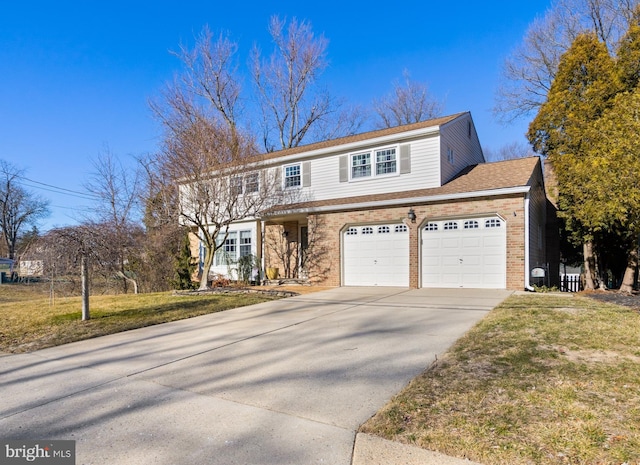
(76, 78)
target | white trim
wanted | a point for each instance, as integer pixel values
(373, 162)
(410, 200)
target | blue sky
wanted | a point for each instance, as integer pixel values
(76, 76)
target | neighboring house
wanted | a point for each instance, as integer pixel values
(411, 206)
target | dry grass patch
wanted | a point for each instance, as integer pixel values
(540, 380)
(30, 322)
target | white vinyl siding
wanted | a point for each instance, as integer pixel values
(419, 170)
(418, 164)
(457, 148)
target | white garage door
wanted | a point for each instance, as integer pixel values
(376, 255)
(469, 252)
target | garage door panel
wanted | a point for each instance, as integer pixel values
(471, 255)
(376, 256)
(471, 242)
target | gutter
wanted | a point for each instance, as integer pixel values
(527, 245)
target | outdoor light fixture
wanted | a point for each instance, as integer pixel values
(411, 215)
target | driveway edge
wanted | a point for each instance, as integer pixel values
(373, 450)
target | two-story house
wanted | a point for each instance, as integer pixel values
(411, 206)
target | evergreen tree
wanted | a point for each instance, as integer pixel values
(185, 266)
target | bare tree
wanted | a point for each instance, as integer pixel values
(79, 244)
(290, 97)
(117, 212)
(508, 152)
(220, 180)
(18, 207)
(163, 232)
(410, 102)
(530, 69)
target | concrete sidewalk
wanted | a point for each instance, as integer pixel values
(285, 382)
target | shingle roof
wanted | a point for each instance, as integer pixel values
(477, 178)
(363, 137)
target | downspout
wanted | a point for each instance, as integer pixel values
(263, 259)
(527, 236)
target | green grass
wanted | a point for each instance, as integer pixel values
(540, 380)
(31, 321)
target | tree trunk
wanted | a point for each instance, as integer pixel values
(630, 272)
(84, 271)
(206, 268)
(589, 266)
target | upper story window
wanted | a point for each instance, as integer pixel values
(378, 162)
(450, 156)
(292, 176)
(360, 165)
(252, 182)
(386, 161)
(248, 184)
(235, 184)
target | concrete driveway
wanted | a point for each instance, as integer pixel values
(285, 382)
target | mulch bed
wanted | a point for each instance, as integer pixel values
(615, 297)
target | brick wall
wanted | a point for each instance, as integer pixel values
(327, 270)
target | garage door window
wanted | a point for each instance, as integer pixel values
(352, 232)
(431, 227)
(471, 224)
(367, 230)
(492, 223)
(450, 226)
(400, 228)
(384, 230)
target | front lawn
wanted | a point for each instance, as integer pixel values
(541, 380)
(31, 321)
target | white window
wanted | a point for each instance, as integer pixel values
(450, 225)
(235, 185)
(361, 165)
(227, 253)
(400, 228)
(431, 227)
(245, 243)
(378, 162)
(471, 224)
(252, 182)
(367, 230)
(292, 176)
(492, 223)
(236, 245)
(384, 229)
(352, 232)
(386, 161)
